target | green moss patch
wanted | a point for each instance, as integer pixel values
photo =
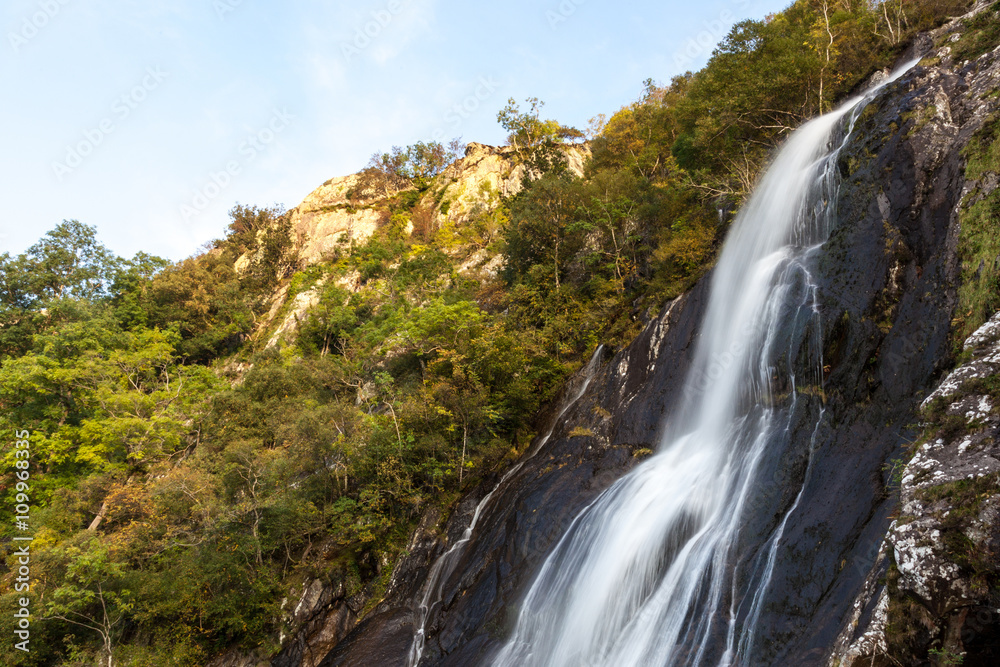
(979, 242)
(982, 34)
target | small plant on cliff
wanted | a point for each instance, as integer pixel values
(400, 168)
(982, 34)
(946, 657)
(979, 245)
(535, 141)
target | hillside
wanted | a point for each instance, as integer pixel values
(361, 425)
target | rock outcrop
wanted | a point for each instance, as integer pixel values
(935, 589)
(330, 218)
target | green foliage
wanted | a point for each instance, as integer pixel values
(264, 237)
(946, 657)
(205, 299)
(579, 251)
(767, 87)
(979, 245)
(67, 263)
(91, 593)
(535, 141)
(201, 299)
(60, 275)
(982, 34)
(131, 289)
(402, 168)
(768, 76)
(965, 498)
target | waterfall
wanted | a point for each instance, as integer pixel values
(446, 563)
(659, 570)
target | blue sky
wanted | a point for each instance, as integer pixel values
(151, 118)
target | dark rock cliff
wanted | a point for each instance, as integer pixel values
(887, 280)
(933, 594)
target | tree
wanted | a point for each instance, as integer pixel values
(540, 226)
(386, 174)
(201, 298)
(92, 593)
(825, 46)
(103, 401)
(427, 160)
(51, 280)
(536, 142)
(132, 287)
(463, 401)
(595, 126)
(263, 237)
(614, 219)
(759, 85)
(400, 168)
(69, 262)
(330, 322)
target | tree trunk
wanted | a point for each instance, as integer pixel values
(822, 73)
(256, 536)
(461, 468)
(888, 22)
(557, 264)
(99, 518)
(104, 510)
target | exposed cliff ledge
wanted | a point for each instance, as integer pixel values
(328, 218)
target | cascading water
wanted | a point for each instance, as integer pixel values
(445, 565)
(656, 571)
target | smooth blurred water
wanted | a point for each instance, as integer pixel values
(647, 575)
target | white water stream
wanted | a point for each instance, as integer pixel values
(647, 574)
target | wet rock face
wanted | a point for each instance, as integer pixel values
(931, 597)
(887, 283)
(319, 620)
(941, 559)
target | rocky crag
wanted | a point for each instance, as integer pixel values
(330, 217)
(323, 609)
(333, 217)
